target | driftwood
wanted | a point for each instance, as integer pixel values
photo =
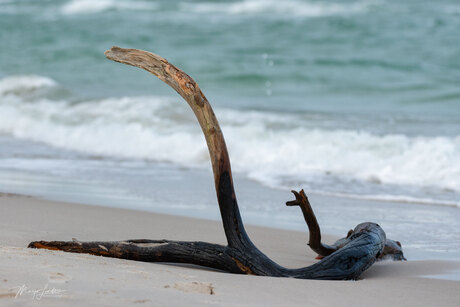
(364, 244)
(392, 249)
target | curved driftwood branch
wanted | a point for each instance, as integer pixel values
(241, 255)
(190, 91)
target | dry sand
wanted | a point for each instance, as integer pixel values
(97, 281)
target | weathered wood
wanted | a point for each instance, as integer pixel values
(392, 249)
(313, 227)
(199, 253)
(190, 91)
(241, 255)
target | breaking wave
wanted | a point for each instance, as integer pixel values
(20, 85)
(278, 149)
(291, 7)
(91, 6)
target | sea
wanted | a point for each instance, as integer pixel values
(355, 101)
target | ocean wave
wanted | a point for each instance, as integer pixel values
(18, 85)
(291, 7)
(91, 6)
(267, 146)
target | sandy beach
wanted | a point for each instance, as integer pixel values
(85, 280)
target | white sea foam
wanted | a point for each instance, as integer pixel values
(93, 6)
(305, 154)
(395, 198)
(263, 145)
(290, 7)
(21, 84)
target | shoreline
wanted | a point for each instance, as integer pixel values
(90, 280)
(155, 189)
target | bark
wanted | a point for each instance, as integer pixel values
(365, 243)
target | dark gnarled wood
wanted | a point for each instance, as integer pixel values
(365, 243)
(200, 253)
(313, 226)
(392, 249)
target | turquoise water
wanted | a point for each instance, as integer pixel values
(358, 100)
(332, 56)
(362, 95)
